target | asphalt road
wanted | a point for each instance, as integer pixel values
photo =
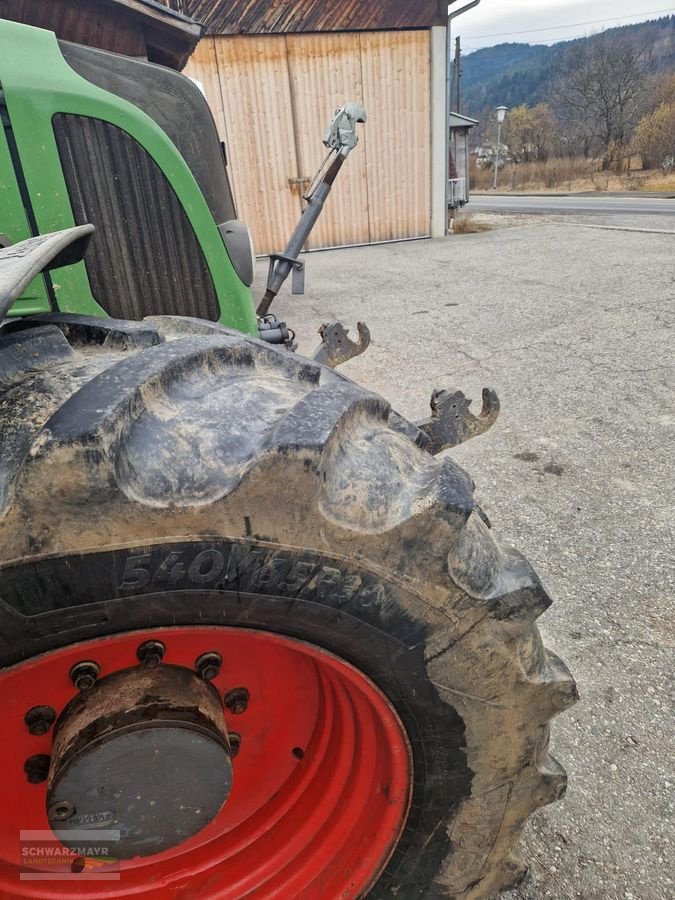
(570, 325)
(591, 204)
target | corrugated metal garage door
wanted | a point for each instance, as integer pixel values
(272, 96)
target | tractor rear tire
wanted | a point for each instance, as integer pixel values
(172, 478)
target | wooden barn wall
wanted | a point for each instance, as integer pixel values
(272, 97)
(103, 26)
(121, 26)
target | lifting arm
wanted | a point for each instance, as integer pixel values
(340, 138)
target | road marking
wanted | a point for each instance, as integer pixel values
(613, 227)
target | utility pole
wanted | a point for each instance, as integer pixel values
(448, 95)
(458, 74)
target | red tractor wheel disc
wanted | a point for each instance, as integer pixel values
(320, 787)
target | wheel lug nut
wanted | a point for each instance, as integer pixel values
(236, 700)
(39, 719)
(151, 653)
(84, 674)
(235, 743)
(208, 665)
(37, 768)
(60, 811)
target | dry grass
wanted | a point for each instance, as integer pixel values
(667, 186)
(660, 182)
(569, 175)
(554, 174)
(463, 223)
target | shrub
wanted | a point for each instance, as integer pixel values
(466, 224)
(654, 137)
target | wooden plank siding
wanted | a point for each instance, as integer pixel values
(324, 71)
(160, 33)
(104, 27)
(397, 96)
(272, 97)
(252, 88)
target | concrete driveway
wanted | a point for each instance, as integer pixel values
(571, 326)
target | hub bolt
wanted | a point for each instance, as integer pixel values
(37, 768)
(235, 743)
(208, 665)
(236, 700)
(84, 674)
(151, 653)
(61, 810)
(39, 719)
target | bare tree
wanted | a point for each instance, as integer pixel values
(530, 132)
(597, 94)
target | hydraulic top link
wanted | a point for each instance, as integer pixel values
(340, 138)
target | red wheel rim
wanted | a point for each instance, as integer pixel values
(321, 785)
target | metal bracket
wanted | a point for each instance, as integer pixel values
(336, 347)
(298, 273)
(452, 422)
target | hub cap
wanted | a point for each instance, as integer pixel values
(143, 751)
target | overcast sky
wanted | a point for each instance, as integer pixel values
(547, 21)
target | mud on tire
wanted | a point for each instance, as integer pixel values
(295, 502)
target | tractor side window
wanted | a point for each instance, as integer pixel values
(144, 258)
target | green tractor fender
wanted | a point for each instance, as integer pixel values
(50, 113)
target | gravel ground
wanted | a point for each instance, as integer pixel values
(571, 327)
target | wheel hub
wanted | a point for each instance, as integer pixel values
(124, 733)
(143, 752)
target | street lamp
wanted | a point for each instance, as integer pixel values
(501, 112)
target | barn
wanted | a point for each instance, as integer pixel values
(273, 71)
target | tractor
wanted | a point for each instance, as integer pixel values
(257, 638)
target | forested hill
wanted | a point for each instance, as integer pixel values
(512, 74)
